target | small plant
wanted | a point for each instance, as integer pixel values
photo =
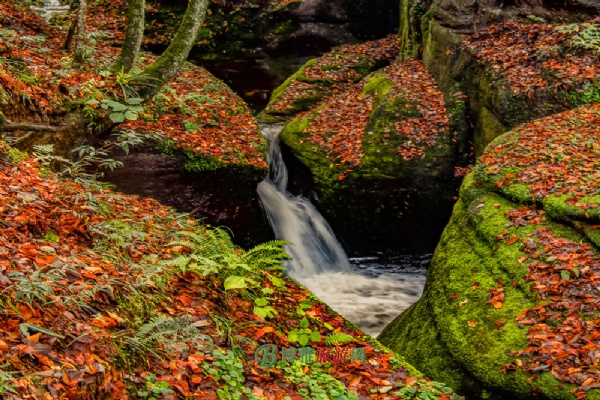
(86, 157)
(229, 369)
(213, 252)
(338, 338)
(154, 389)
(263, 309)
(51, 237)
(191, 126)
(304, 334)
(425, 390)
(5, 379)
(584, 36)
(120, 112)
(317, 385)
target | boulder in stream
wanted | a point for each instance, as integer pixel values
(382, 156)
(510, 306)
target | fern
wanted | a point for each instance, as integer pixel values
(212, 251)
(266, 255)
(338, 338)
(164, 335)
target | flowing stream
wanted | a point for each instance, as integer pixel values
(368, 291)
(51, 7)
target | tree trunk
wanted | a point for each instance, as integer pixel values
(133, 36)
(80, 43)
(70, 34)
(166, 66)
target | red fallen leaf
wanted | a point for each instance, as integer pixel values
(411, 379)
(512, 240)
(499, 324)
(185, 300)
(454, 296)
(475, 286)
(44, 359)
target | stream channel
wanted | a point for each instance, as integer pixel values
(369, 291)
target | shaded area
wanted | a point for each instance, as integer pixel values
(226, 197)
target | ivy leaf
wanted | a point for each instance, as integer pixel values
(235, 282)
(130, 115)
(135, 100)
(117, 117)
(565, 275)
(261, 302)
(315, 337)
(304, 323)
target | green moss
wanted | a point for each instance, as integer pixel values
(450, 333)
(558, 208)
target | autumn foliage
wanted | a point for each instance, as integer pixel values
(340, 125)
(554, 163)
(68, 283)
(196, 111)
(332, 74)
(536, 56)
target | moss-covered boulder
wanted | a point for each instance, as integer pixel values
(328, 75)
(510, 306)
(513, 71)
(382, 156)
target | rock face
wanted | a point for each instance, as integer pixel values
(381, 155)
(510, 305)
(470, 64)
(264, 41)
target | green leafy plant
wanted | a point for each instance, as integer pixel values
(87, 157)
(191, 126)
(155, 389)
(120, 112)
(424, 390)
(5, 379)
(316, 385)
(229, 369)
(263, 309)
(213, 252)
(584, 36)
(338, 338)
(304, 334)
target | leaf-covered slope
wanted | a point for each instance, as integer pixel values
(110, 296)
(510, 304)
(195, 110)
(382, 157)
(329, 75)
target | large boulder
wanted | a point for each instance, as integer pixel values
(329, 75)
(382, 158)
(515, 60)
(510, 306)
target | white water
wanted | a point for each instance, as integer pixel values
(50, 8)
(365, 292)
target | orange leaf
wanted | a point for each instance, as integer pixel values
(185, 300)
(512, 240)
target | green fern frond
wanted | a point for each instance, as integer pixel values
(338, 338)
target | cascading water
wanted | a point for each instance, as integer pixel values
(315, 249)
(50, 8)
(366, 291)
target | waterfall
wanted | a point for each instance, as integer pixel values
(50, 8)
(314, 248)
